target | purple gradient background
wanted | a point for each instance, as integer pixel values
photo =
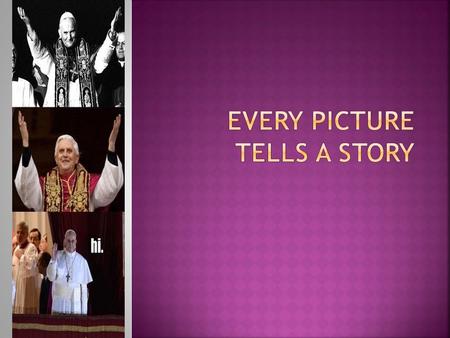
(222, 248)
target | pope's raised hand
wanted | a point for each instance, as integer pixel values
(23, 129)
(114, 133)
(54, 250)
(23, 16)
(115, 19)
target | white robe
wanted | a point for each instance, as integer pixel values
(23, 94)
(27, 280)
(43, 58)
(30, 191)
(104, 55)
(69, 297)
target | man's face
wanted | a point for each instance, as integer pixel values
(67, 32)
(21, 234)
(14, 58)
(34, 238)
(120, 47)
(70, 242)
(66, 159)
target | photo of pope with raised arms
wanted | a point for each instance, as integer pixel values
(69, 185)
(71, 47)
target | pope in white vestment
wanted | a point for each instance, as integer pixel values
(102, 189)
(70, 274)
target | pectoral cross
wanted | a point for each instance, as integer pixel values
(67, 277)
(73, 74)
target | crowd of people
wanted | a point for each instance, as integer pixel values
(72, 73)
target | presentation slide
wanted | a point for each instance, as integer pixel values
(225, 169)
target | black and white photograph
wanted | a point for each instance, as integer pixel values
(68, 54)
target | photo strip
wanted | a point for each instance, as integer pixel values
(68, 169)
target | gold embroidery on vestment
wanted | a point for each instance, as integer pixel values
(78, 199)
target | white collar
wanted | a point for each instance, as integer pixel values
(70, 254)
(122, 63)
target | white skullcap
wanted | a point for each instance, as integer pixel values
(66, 15)
(70, 232)
(70, 138)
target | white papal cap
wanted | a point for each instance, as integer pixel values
(66, 15)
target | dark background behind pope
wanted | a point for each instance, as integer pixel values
(93, 22)
(90, 128)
